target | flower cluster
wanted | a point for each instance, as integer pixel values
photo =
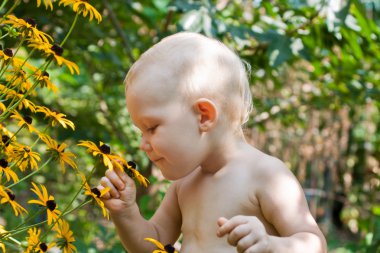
(22, 139)
(168, 248)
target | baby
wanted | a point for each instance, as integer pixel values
(189, 95)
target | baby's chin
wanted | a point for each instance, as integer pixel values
(174, 176)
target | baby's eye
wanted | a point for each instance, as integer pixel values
(152, 129)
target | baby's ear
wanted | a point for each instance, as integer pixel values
(207, 114)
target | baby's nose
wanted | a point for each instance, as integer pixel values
(144, 144)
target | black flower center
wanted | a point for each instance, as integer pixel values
(169, 248)
(58, 146)
(31, 22)
(45, 74)
(57, 49)
(129, 172)
(96, 192)
(3, 163)
(8, 52)
(26, 149)
(11, 195)
(28, 119)
(132, 164)
(5, 139)
(43, 247)
(51, 205)
(105, 149)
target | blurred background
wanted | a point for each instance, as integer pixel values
(315, 79)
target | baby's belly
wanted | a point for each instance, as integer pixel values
(209, 245)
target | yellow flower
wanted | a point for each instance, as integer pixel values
(95, 194)
(161, 248)
(13, 95)
(19, 80)
(7, 171)
(104, 151)
(44, 81)
(24, 157)
(130, 169)
(34, 244)
(5, 141)
(18, 63)
(24, 121)
(47, 3)
(2, 107)
(27, 28)
(82, 6)
(54, 51)
(65, 237)
(58, 150)
(7, 196)
(2, 231)
(56, 117)
(47, 201)
(6, 54)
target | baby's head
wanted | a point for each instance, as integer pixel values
(188, 66)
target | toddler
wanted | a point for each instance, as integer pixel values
(189, 95)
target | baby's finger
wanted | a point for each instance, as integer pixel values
(245, 243)
(221, 221)
(105, 182)
(230, 224)
(121, 172)
(106, 195)
(238, 233)
(115, 179)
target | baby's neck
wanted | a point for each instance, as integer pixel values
(222, 152)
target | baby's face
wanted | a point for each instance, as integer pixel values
(169, 126)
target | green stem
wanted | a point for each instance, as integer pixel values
(3, 4)
(21, 127)
(59, 217)
(14, 75)
(17, 231)
(3, 95)
(44, 131)
(65, 210)
(5, 35)
(71, 29)
(12, 246)
(79, 191)
(28, 219)
(17, 2)
(77, 207)
(14, 240)
(33, 173)
(6, 113)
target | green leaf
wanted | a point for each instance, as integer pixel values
(279, 50)
(192, 21)
(353, 41)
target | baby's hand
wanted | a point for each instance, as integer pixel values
(246, 233)
(122, 192)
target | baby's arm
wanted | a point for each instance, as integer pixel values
(131, 226)
(283, 204)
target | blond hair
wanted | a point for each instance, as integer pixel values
(204, 67)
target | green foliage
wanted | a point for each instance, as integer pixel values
(313, 67)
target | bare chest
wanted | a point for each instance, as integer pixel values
(204, 199)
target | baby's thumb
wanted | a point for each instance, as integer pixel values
(221, 231)
(221, 221)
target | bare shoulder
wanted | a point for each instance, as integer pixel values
(280, 195)
(272, 175)
(264, 165)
